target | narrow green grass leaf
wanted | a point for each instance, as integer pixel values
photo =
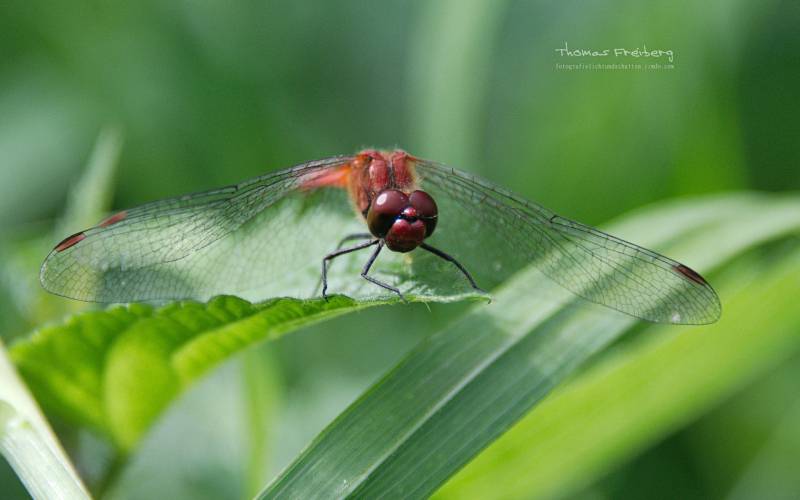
(262, 396)
(90, 198)
(466, 385)
(88, 201)
(115, 371)
(773, 472)
(455, 38)
(28, 443)
(640, 394)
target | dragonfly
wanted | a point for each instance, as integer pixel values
(453, 228)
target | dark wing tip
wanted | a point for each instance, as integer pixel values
(690, 274)
(70, 241)
(713, 305)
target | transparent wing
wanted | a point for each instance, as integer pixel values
(504, 232)
(184, 247)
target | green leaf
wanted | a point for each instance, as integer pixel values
(90, 198)
(262, 387)
(773, 472)
(115, 371)
(28, 443)
(20, 259)
(642, 393)
(458, 40)
(466, 385)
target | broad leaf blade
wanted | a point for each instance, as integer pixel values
(115, 371)
(462, 388)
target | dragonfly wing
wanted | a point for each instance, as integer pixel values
(145, 253)
(588, 262)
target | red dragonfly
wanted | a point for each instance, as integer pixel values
(252, 239)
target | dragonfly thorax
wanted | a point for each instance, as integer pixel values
(402, 220)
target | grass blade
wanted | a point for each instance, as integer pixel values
(456, 39)
(90, 198)
(639, 395)
(467, 384)
(29, 445)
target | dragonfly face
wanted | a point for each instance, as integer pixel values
(403, 221)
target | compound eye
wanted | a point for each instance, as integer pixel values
(426, 209)
(384, 210)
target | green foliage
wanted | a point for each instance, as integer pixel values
(115, 371)
(91, 197)
(462, 388)
(26, 439)
(28, 443)
(209, 94)
(642, 392)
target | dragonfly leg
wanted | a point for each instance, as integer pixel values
(366, 276)
(356, 236)
(337, 253)
(449, 258)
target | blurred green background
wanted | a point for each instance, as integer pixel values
(210, 93)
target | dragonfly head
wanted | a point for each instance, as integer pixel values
(402, 220)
